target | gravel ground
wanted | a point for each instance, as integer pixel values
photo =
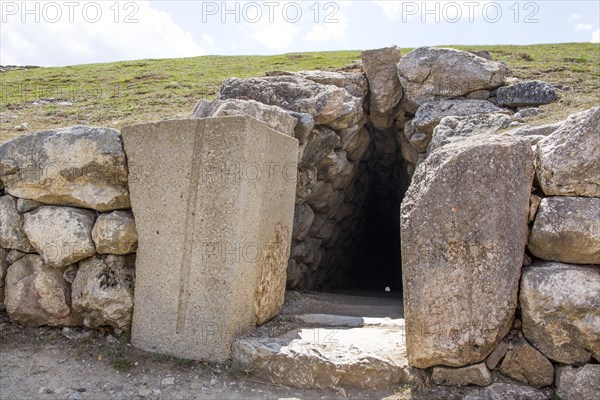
(77, 364)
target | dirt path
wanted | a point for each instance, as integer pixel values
(78, 364)
(43, 364)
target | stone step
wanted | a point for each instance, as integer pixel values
(370, 357)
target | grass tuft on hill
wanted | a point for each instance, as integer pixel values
(122, 93)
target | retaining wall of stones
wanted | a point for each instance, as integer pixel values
(500, 224)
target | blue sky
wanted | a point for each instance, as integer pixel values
(54, 33)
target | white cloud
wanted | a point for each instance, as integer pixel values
(209, 40)
(596, 36)
(336, 29)
(65, 42)
(269, 27)
(574, 17)
(279, 35)
(583, 27)
(391, 9)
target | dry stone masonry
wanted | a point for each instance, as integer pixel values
(418, 172)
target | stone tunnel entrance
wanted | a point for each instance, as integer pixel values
(376, 262)
(368, 259)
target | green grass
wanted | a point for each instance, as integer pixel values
(123, 93)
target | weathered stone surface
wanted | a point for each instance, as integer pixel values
(24, 205)
(567, 161)
(464, 230)
(303, 219)
(333, 164)
(507, 391)
(321, 142)
(115, 233)
(306, 184)
(476, 374)
(276, 117)
(70, 273)
(432, 74)
(380, 68)
(91, 174)
(328, 104)
(430, 114)
(578, 383)
(566, 230)
(478, 95)
(295, 272)
(61, 235)
(541, 130)
(12, 235)
(497, 355)
(366, 358)
(102, 291)
(527, 112)
(225, 236)
(306, 124)
(355, 83)
(409, 152)
(530, 93)
(458, 128)
(36, 294)
(560, 310)
(13, 256)
(358, 144)
(525, 364)
(3, 268)
(320, 198)
(534, 204)
(307, 251)
(419, 140)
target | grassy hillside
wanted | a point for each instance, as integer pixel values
(122, 93)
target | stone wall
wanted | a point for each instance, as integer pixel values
(499, 222)
(68, 237)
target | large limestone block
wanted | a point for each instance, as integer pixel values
(36, 294)
(433, 74)
(464, 230)
(61, 235)
(328, 104)
(79, 166)
(12, 235)
(214, 236)
(102, 291)
(566, 229)
(276, 117)
(578, 383)
(568, 161)
(384, 85)
(560, 308)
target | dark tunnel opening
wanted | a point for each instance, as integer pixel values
(376, 262)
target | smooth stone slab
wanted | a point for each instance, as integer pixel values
(325, 357)
(213, 201)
